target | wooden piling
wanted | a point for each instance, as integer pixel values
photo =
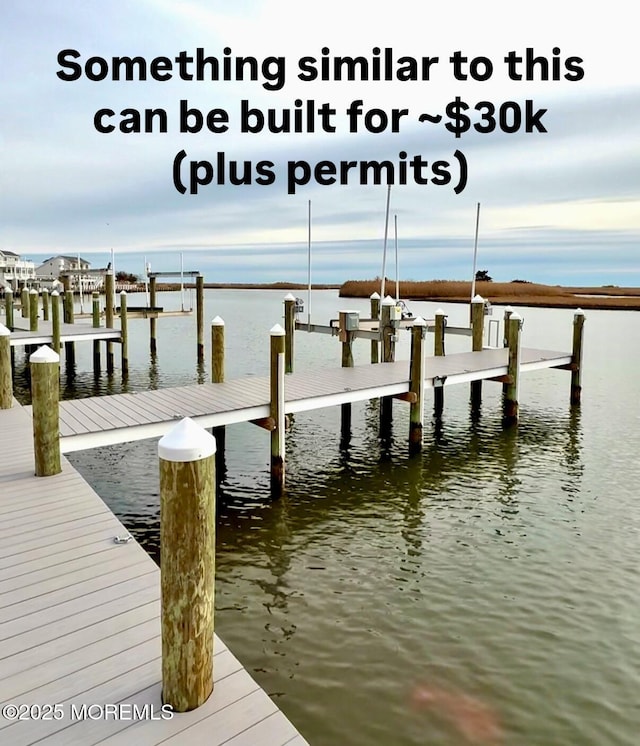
(33, 310)
(55, 321)
(374, 298)
(6, 377)
(439, 351)
(416, 368)
(187, 561)
(24, 302)
(95, 314)
(69, 318)
(346, 339)
(512, 386)
(388, 333)
(109, 304)
(217, 376)
(152, 319)
(124, 336)
(45, 304)
(576, 356)
(8, 309)
(200, 316)
(477, 327)
(45, 388)
(289, 330)
(276, 410)
(507, 315)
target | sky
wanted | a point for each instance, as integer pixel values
(561, 206)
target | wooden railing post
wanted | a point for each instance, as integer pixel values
(45, 396)
(576, 356)
(510, 403)
(416, 372)
(289, 330)
(276, 410)
(187, 561)
(375, 314)
(6, 376)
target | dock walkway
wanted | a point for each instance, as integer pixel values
(105, 420)
(80, 624)
(68, 333)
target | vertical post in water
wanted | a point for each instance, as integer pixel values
(33, 310)
(152, 318)
(109, 304)
(439, 351)
(576, 357)
(276, 410)
(289, 330)
(45, 388)
(200, 316)
(416, 368)
(24, 302)
(45, 304)
(6, 378)
(8, 308)
(187, 557)
(477, 327)
(124, 335)
(374, 298)
(512, 387)
(68, 316)
(217, 376)
(388, 355)
(347, 318)
(95, 314)
(55, 321)
(505, 343)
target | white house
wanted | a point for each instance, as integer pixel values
(79, 270)
(13, 269)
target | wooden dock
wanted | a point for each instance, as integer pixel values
(80, 625)
(105, 420)
(68, 333)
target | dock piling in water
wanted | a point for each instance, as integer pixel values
(348, 322)
(375, 315)
(45, 304)
(55, 321)
(109, 307)
(124, 335)
(217, 376)
(187, 561)
(33, 310)
(416, 372)
(576, 355)
(200, 316)
(95, 314)
(152, 319)
(45, 395)
(8, 308)
(512, 385)
(24, 302)
(289, 329)
(388, 334)
(276, 409)
(439, 351)
(6, 376)
(477, 328)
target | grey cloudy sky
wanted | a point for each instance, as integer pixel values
(559, 207)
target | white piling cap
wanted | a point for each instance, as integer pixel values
(440, 312)
(4, 331)
(56, 293)
(374, 296)
(515, 317)
(276, 331)
(123, 292)
(508, 309)
(419, 321)
(289, 297)
(44, 354)
(579, 312)
(33, 291)
(348, 310)
(185, 442)
(388, 301)
(478, 299)
(217, 321)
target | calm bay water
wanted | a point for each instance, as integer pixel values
(483, 592)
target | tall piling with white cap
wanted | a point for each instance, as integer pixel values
(388, 335)
(289, 330)
(439, 351)
(33, 310)
(276, 409)
(217, 376)
(6, 375)
(512, 386)
(576, 356)
(45, 396)
(416, 374)
(477, 329)
(55, 321)
(187, 563)
(374, 298)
